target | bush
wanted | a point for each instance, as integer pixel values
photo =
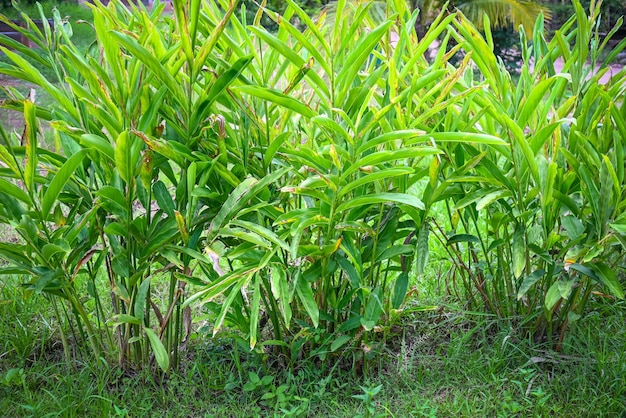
(296, 179)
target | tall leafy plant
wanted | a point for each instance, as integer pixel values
(136, 182)
(327, 261)
(531, 230)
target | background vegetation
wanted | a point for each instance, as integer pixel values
(203, 195)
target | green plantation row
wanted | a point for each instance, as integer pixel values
(288, 187)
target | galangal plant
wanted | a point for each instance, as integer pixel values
(535, 228)
(119, 210)
(327, 261)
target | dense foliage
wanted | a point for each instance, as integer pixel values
(292, 184)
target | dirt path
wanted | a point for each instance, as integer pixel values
(606, 77)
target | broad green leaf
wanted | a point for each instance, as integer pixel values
(369, 178)
(262, 232)
(553, 295)
(99, 143)
(463, 137)
(125, 319)
(113, 196)
(254, 310)
(607, 277)
(518, 250)
(492, 197)
(339, 342)
(378, 198)
(357, 57)
(373, 310)
(163, 198)
(475, 196)
(399, 290)
(421, 251)
(565, 287)
(29, 138)
(529, 282)
(217, 88)
(273, 148)
(573, 226)
(243, 193)
(619, 227)
(392, 251)
(141, 298)
(59, 181)
(387, 156)
(49, 250)
(13, 190)
(122, 152)
(160, 353)
(291, 55)
(400, 135)
(277, 97)
(305, 294)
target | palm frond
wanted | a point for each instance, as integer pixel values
(503, 13)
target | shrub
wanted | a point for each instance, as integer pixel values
(296, 178)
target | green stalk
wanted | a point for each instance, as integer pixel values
(66, 347)
(272, 309)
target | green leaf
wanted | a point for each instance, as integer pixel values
(262, 232)
(607, 277)
(13, 190)
(141, 297)
(29, 138)
(289, 53)
(462, 238)
(553, 295)
(277, 97)
(421, 251)
(369, 178)
(160, 353)
(305, 294)
(125, 319)
(163, 198)
(126, 156)
(254, 310)
(518, 249)
(59, 180)
(217, 88)
(339, 342)
(373, 310)
(377, 198)
(235, 291)
(100, 144)
(49, 250)
(387, 156)
(273, 148)
(148, 58)
(243, 193)
(529, 282)
(355, 60)
(565, 287)
(463, 137)
(399, 290)
(232, 204)
(573, 226)
(491, 197)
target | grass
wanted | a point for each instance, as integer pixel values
(442, 363)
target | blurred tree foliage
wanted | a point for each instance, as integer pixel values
(251, 7)
(611, 11)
